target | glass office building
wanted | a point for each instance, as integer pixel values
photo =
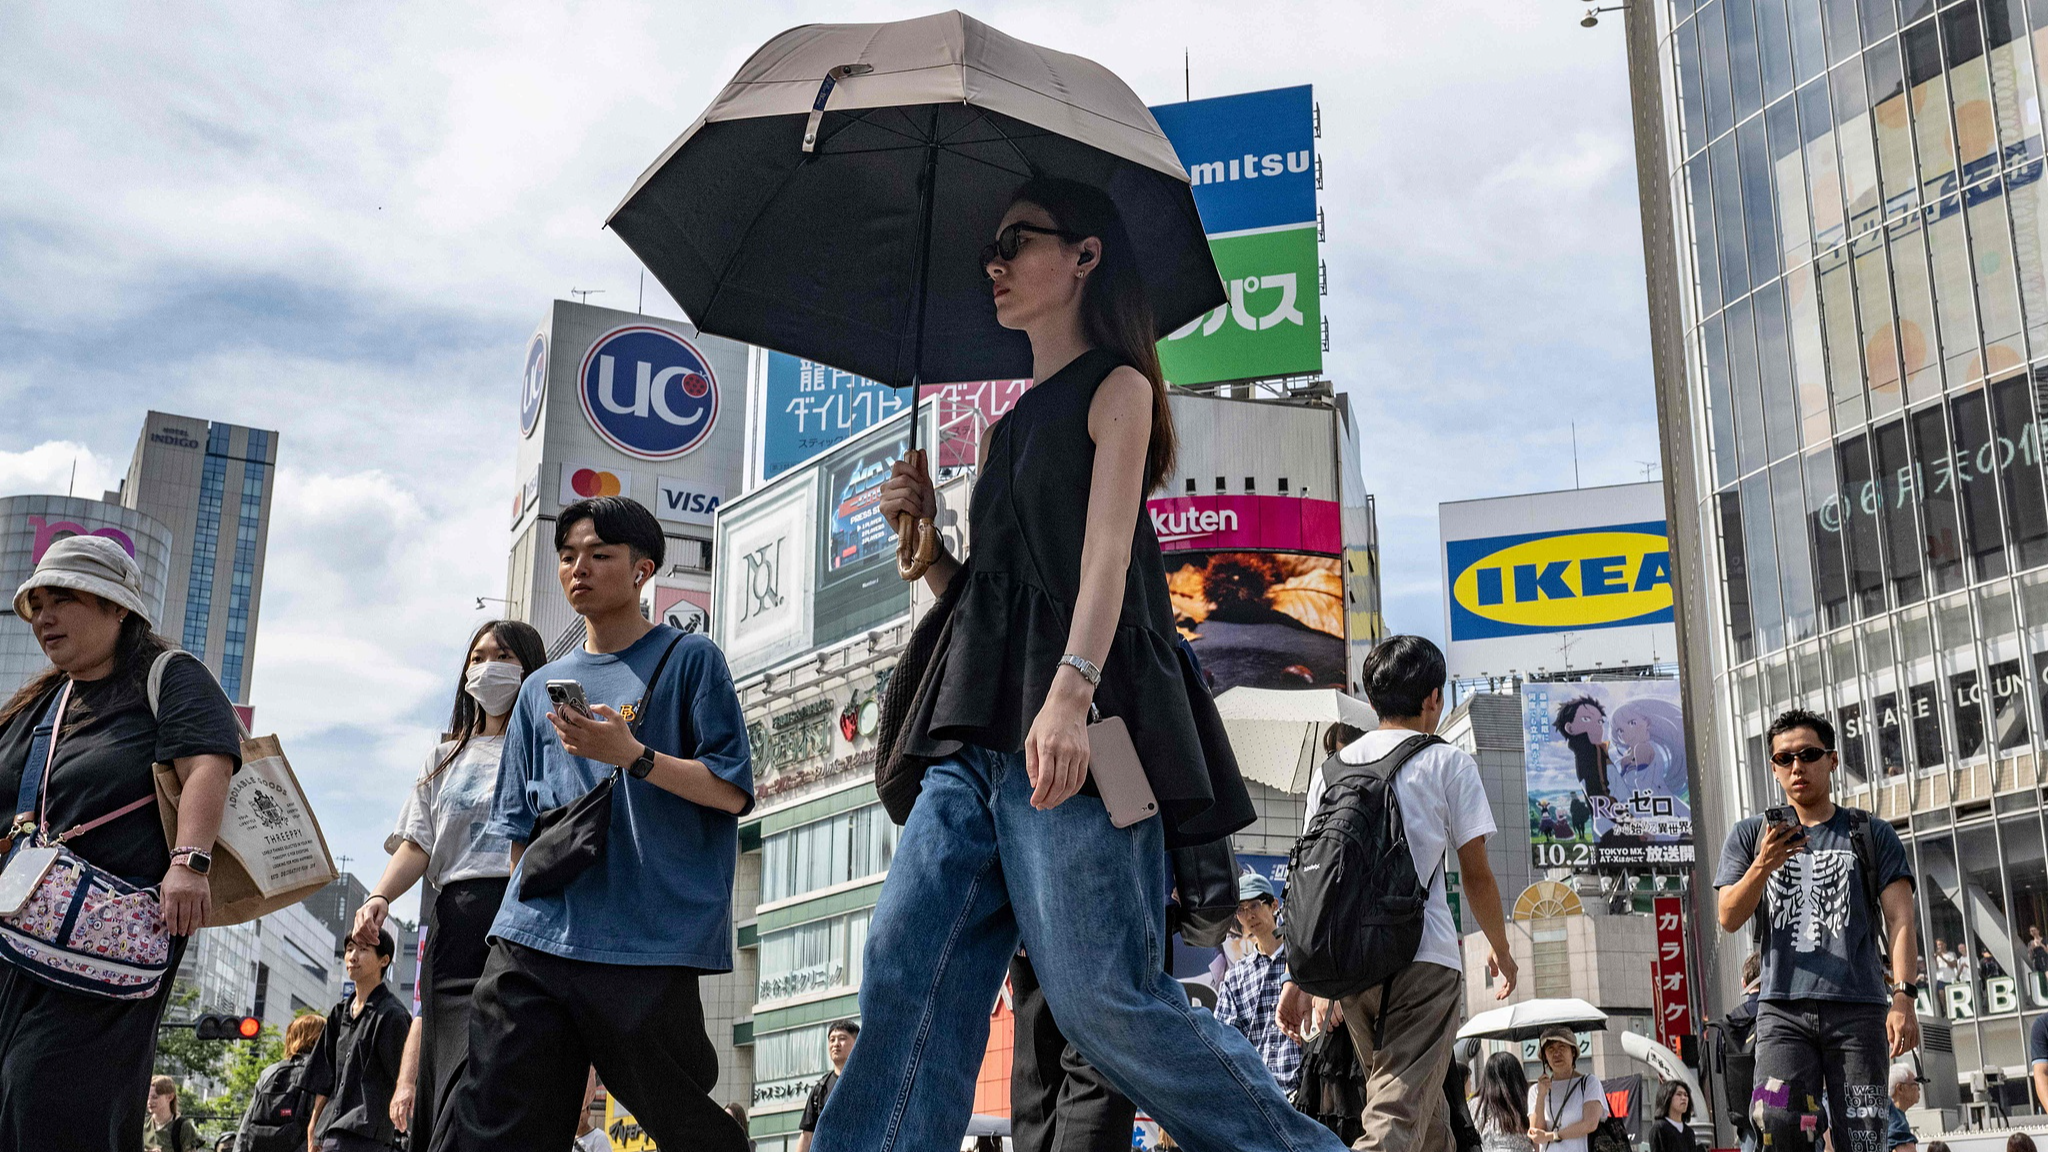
(1845, 224)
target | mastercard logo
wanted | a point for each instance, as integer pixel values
(589, 482)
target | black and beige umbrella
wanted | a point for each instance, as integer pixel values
(832, 200)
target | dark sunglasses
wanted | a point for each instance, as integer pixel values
(1804, 756)
(1010, 240)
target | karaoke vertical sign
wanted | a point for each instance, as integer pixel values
(1674, 986)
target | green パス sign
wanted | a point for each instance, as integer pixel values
(1273, 325)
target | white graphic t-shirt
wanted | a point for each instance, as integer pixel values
(446, 813)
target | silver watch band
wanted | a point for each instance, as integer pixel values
(1085, 667)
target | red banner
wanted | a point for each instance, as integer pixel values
(1674, 988)
(1214, 523)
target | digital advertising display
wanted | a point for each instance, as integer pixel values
(1606, 772)
(1261, 619)
(857, 584)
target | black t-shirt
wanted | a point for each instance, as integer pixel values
(105, 756)
(816, 1104)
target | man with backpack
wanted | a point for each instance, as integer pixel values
(1369, 924)
(1822, 885)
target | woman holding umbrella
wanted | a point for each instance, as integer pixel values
(1061, 610)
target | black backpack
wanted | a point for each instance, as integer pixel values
(279, 1109)
(1354, 903)
(1734, 1057)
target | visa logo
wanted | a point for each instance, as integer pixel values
(1597, 578)
(678, 500)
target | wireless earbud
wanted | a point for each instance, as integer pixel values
(1087, 258)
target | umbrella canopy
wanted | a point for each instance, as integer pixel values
(1527, 1020)
(832, 201)
(1277, 733)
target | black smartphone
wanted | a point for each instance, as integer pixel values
(1782, 818)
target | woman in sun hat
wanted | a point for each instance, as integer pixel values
(75, 1066)
(1565, 1105)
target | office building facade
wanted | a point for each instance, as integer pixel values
(30, 524)
(211, 484)
(1846, 232)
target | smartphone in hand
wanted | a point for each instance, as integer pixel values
(568, 694)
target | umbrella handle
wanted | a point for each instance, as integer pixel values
(917, 541)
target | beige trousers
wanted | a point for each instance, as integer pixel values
(1402, 1031)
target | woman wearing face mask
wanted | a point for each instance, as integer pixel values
(440, 836)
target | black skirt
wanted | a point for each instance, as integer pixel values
(75, 1068)
(458, 943)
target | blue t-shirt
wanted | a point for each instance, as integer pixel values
(1898, 1133)
(1821, 944)
(662, 893)
(2037, 1042)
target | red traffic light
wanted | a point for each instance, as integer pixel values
(214, 1026)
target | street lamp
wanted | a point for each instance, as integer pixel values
(1593, 14)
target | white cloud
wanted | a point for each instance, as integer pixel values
(58, 467)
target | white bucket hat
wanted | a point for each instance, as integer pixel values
(92, 564)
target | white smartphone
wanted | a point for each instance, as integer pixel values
(23, 873)
(568, 694)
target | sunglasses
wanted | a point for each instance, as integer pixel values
(1011, 240)
(1804, 756)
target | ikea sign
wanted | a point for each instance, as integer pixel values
(1612, 576)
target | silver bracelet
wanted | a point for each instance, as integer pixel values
(1085, 667)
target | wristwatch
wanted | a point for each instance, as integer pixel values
(642, 765)
(198, 861)
(1911, 990)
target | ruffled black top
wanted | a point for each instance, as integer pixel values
(993, 659)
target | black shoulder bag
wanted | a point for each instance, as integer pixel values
(569, 838)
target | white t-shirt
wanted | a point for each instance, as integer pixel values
(1566, 1107)
(446, 813)
(593, 1141)
(1443, 807)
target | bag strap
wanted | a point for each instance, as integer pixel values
(647, 699)
(1866, 863)
(1557, 1114)
(42, 749)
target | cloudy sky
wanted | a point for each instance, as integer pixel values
(342, 222)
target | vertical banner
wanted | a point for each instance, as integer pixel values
(1251, 159)
(1674, 988)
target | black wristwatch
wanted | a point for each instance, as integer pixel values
(639, 768)
(1911, 990)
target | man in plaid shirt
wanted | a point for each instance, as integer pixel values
(1250, 993)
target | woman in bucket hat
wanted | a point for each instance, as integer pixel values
(74, 1066)
(1565, 1105)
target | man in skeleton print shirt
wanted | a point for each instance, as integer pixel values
(1830, 1019)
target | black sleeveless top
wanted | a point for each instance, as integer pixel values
(994, 660)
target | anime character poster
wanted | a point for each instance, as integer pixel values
(1607, 774)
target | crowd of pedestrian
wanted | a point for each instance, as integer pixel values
(576, 831)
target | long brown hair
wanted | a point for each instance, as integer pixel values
(1115, 312)
(134, 651)
(467, 719)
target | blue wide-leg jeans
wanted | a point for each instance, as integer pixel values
(976, 870)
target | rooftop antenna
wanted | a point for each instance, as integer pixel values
(1575, 454)
(641, 307)
(583, 295)
(1187, 76)
(1649, 466)
(71, 487)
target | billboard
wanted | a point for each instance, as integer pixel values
(808, 408)
(1558, 580)
(857, 585)
(1185, 523)
(1251, 161)
(1261, 619)
(764, 546)
(1606, 773)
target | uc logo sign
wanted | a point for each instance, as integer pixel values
(648, 392)
(534, 385)
(1611, 577)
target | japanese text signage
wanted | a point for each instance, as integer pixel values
(1606, 774)
(1251, 161)
(810, 407)
(1674, 987)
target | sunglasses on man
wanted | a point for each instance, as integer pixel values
(1803, 755)
(1010, 241)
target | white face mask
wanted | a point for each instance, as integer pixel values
(494, 685)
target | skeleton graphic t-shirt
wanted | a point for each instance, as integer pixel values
(1821, 943)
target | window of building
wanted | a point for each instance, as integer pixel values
(849, 846)
(814, 957)
(787, 1064)
(1795, 565)
(1720, 101)
(1764, 605)
(1741, 629)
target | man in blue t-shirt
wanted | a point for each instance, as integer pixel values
(2037, 1059)
(604, 970)
(1828, 1023)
